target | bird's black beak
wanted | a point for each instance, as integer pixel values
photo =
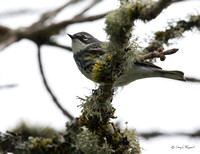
(71, 36)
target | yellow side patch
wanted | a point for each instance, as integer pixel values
(101, 70)
(109, 58)
(91, 57)
(96, 71)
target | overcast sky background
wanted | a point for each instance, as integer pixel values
(148, 104)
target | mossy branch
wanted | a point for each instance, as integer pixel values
(97, 109)
(40, 140)
(163, 37)
(59, 143)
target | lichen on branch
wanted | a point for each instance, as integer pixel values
(97, 110)
(119, 25)
(173, 31)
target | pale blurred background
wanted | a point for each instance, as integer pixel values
(147, 105)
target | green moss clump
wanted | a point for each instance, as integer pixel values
(40, 143)
(119, 25)
(134, 141)
(35, 131)
(88, 142)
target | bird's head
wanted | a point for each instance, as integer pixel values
(81, 40)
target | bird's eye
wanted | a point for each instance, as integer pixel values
(85, 37)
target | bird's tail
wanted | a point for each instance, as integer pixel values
(176, 75)
(147, 70)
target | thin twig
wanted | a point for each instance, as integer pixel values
(55, 44)
(53, 13)
(17, 12)
(94, 2)
(65, 5)
(65, 23)
(175, 1)
(8, 86)
(38, 32)
(191, 79)
(160, 55)
(149, 135)
(54, 98)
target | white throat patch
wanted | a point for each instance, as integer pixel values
(77, 45)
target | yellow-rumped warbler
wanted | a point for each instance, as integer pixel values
(88, 51)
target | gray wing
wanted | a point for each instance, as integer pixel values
(147, 64)
(94, 49)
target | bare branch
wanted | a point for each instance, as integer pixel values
(94, 2)
(14, 13)
(160, 54)
(55, 44)
(4, 30)
(54, 98)
(8, 86)
(64, 6)
(8, 41)
(175, 1)
(191, 79)
(154, 134)
(51, 14)
(7, 37)
(41, 34)
(65, 23)
(149, 13)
